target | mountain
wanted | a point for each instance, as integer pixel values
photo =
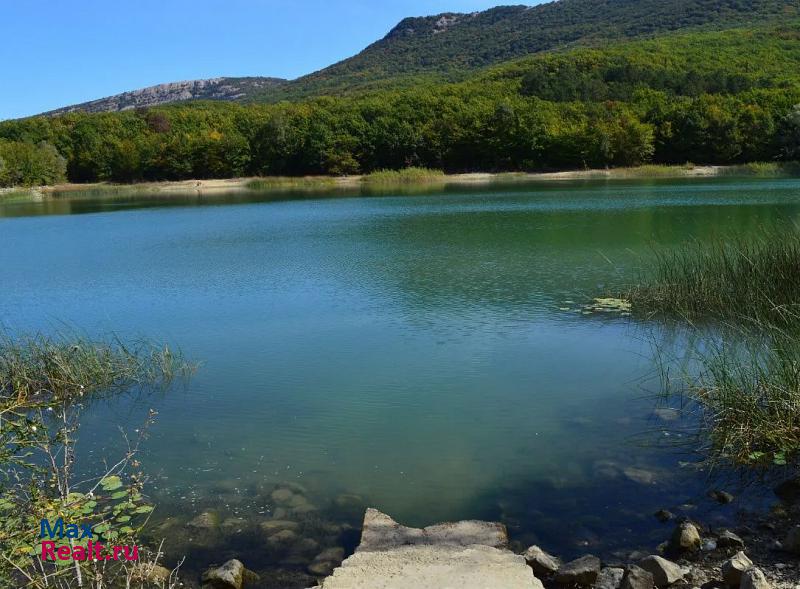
(447, 46)
(212, 89)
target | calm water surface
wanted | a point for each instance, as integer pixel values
(423, 352)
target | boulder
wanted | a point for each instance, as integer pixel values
(582, 571)
(792, 543)
(686, 537)
(664, 572)
(609, 578)
(753, 578)
(637, 578)
(727, 539)
(229, 576)
(734, 568)
(542, 563)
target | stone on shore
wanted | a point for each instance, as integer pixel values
(582, 571)
(664, 572)
(753, 578)
(609, 578)
(734, 568)
(542, 563)
(637, 578)
(728, 539)
(685, 538)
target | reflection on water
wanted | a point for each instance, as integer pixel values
(405, 352)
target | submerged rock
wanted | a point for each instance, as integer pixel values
(326, 561)
(665, 572)
(151, 573)
(207, 520)
(282, 540)
(231, 575)
(278, 525)
(540, 561)
(582, 571)
(640, 475)
(722, 497)
(734, 568)
(664, 515)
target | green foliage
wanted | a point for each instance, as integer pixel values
(711, 97)
(753, 279)
(44, 386)
(29, 164)
(450, 46)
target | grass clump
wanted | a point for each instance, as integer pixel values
(764, 170)
(411, 175)
(755, 279)
(749, 393)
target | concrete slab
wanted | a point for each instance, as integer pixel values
(460, 555)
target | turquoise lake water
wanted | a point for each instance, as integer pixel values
(423, 352)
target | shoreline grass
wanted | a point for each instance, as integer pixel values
(741, 299)
(410, 175)
(756, 280)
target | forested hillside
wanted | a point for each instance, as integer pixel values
(449, 46)
(712, 97)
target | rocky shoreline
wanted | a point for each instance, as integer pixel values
(761, 552)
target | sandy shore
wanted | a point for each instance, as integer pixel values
(232, 185)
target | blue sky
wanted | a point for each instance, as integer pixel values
(60, 52)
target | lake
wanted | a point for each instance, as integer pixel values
(422, 354)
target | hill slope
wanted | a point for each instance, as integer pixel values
(448, 45)
(212, 89)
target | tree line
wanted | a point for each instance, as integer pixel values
(694, 98)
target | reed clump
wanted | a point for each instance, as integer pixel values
(755, 280)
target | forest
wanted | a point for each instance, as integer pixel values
(708, 97)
